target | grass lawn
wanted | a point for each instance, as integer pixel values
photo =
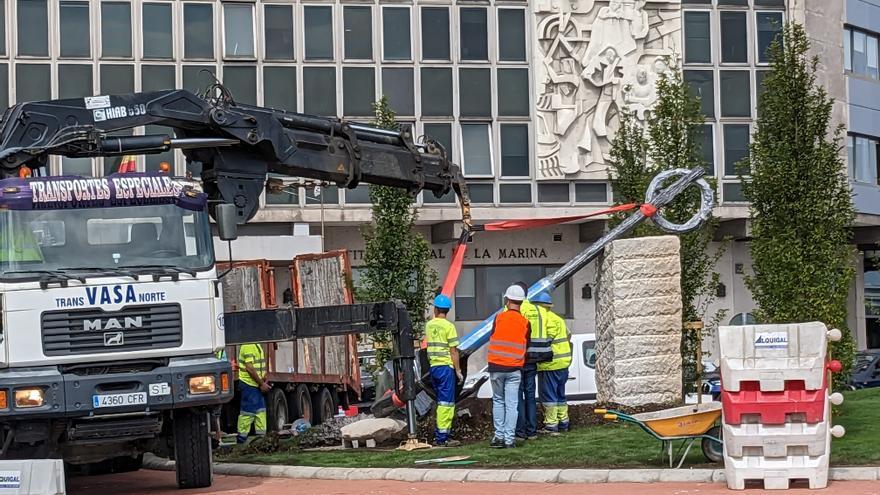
(610, 445)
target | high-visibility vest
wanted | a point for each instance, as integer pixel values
(560, 344)
(539, 343)
(440, 335)
(251, 353)
(507, 345)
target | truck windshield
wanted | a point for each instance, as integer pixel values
(86, 240)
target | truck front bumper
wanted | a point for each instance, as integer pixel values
(74, 395)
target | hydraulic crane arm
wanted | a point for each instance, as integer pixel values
(238, 145)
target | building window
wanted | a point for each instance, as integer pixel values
(702, 85)
(322, 196)
(511, 35)
(279, 88)
(697, 38)
(32, 82)
(73, 31)
(198, 77)
(514, 150)
(358, 196)
(3, 29)
(591, 192)
(435, 33)
(33, 28)
(476, 153)
(480, 288)
(358, 32)
(241, 81)
(736, 147)
(872, 298)
(318, 22)
(707, 147)
(77, 81)
(115, 30)
(473, 35)
(733, 193)
(863, 165)
(288, 196)
(156, 25)
(358, 91)
(768, 25)
(397, 85)
(319, 91)
(117, 79)
(515, 193)
(198, 31)
(436, 92)
(278, 29)
(734, 38)
(157, 77)
(736, 93)
(482, 192)
(475, 92)
(861, 53)
(238, 30)
(396, 38)
(554, 192)
(513, 92)
(441, 133)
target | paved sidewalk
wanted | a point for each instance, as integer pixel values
(162, 483)
(494, 475)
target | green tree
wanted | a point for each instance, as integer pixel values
(395, 255)
(800, 200)
(670, 139)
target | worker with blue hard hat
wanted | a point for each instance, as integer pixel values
(442, 348)
(553, 374)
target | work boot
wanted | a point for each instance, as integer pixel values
(496, 443)
(448, 443)
(551, 431)
(510, 445)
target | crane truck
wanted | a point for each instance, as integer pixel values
(110, 300)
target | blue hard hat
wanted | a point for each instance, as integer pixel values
(442, 302)
(542, 298)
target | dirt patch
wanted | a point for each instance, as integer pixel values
(473, 418)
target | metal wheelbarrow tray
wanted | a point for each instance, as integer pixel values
(688, 423)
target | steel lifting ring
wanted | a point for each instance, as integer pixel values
(707, 202)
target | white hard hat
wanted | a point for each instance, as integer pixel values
(515, 293)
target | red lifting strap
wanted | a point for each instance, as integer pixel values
(460, 248)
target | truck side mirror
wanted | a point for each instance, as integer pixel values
(227, 225)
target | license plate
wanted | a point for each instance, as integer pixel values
(119, 400)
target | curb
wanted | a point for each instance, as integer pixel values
(870, 473)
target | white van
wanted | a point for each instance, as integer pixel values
(581, 386)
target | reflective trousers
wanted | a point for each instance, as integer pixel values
(443, 381)
(551, 388)
(252, 411)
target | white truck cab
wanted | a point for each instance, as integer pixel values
(581, 386)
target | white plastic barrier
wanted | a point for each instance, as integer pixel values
(778, 440)
(772, 355)
(32, 477)
(776, 472)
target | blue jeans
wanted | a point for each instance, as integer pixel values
(505, 396)
(527, 420)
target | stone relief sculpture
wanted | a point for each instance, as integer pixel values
(594, 58)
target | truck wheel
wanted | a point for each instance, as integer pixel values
(276, 409)
(323, 405)
(301, 404)
(192, 448)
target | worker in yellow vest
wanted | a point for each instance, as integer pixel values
(553, 374)
(252, 385)
(538, 351)
(441, 341)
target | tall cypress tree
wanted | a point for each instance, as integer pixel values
(800, 199)
(395, 255)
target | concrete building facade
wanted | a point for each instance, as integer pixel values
(524, 95)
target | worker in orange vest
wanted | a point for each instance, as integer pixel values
(507, 355)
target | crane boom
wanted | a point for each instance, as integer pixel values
(237, 145)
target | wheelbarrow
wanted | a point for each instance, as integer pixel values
(687, 423)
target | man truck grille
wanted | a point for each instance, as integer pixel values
(93, 330)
